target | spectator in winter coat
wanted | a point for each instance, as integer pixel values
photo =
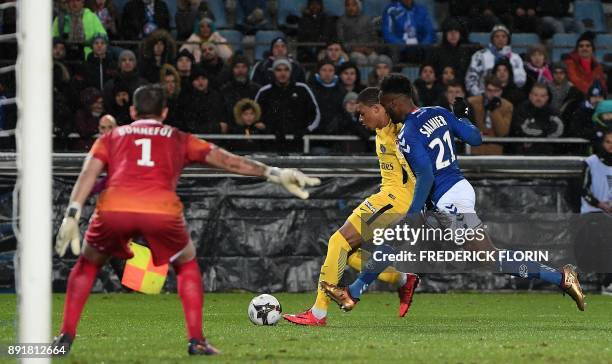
(213, 65)
(78, 25)
(580, 125)
(382, 68)
(565, 97)
(184, 63)
(288, 107)
(119, 107)
(350, 77)
(239, 87)
(454, 50)
(328, 92)
(503, 71)
(128, 74)
(315, 25)
(142, 17)
(427, 86)
(452, 90)
(536, 67)
(170, 79)
(262, 73)
(207, 33)
(158, 48)
(86, 118)
(492, 114)
(100, 66)
(349, 123)
(356, 28)
(582, 67)
(485, 59)
(201, 108)
(409, 24)
(534, 118)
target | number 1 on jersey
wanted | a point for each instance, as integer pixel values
(440, 161)
(145, 159)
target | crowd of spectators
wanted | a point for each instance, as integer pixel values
(102, 54)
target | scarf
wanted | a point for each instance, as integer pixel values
(328, 85)
(504, 53)
(543, 72)
(77, 33)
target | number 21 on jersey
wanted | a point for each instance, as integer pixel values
(145, 156)
(441, 161)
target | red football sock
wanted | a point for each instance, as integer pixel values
(189, 281)
(82, 277)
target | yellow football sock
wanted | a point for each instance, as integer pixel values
(389, 275)
(333, 267)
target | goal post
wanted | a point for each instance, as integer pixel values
(34, 148)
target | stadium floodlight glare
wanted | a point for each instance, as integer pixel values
(34, 91)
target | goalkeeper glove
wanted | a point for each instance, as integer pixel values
(292, 180)
(461, 108)
(68, 233)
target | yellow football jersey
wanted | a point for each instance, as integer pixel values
(395, 174)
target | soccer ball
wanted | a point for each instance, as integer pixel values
(264, 310)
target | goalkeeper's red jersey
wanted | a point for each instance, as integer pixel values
(144, 161)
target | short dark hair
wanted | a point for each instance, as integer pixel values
(492, 80)
(396, 83)
(369, 96)
(453, 83)
(149, 100)
(247, 106)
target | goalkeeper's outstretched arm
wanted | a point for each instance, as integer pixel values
(292, 180)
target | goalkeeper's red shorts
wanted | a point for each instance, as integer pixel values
(111, 231)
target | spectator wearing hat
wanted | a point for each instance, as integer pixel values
(239, 86)
(106, 11)
(288, 107)
(315, 25)
(213, 65)
(581, 123)
(86, 118)
(335, 52)
(454, 50)
(357, 32)
(565, 98)
(382, 68)
(201, 108)
(184, 63)
(128, 73)
(503, 71)
(328, 92)
(119, 107)
(484, 60)
(142, 17)
(207, 33)
(407, 23)
(429, 89)
(492, 114)
(101, 65)
(582, 67)
(535, 118)
(157, 49)
(350, 77)
(263, 74)
(536, 66)
(170, 79)
(78, 25)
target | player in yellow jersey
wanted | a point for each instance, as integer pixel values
(377, 211)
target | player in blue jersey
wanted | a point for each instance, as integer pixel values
(426, 141)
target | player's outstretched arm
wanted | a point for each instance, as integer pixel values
(292, 180)
(68, 233)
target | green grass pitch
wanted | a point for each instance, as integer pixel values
(440, 328)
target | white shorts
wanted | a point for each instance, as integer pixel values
(459, 199)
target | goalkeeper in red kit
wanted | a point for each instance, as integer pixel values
(143, 162)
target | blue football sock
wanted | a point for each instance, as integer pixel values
(530, 269)
(370, 271)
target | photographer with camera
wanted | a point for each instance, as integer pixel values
(492, 114)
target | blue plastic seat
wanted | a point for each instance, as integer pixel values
(480, 38)
(263, 39)
(603, 46)
(233, 37)
(411, 72)
(218, 9)
(334, 7)
(522, 41)
(373, 8)
(364, 72)
(591, 14)
(563, 43)
(289, 7)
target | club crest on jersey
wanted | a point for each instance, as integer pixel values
(383, 149)
(401, 143)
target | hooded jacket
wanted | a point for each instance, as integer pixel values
(580, 77)
(445, 54)
(147, 64)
